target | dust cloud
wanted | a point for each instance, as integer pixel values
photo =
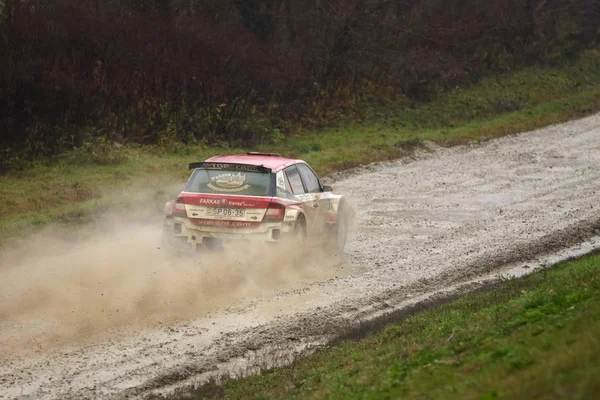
(59, 288)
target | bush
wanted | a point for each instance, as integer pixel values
(156, 71)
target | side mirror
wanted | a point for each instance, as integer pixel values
(327, 188)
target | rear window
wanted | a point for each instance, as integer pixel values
(224, 181)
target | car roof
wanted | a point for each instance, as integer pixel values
(274, 161)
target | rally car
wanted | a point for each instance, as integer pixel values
(256, 196)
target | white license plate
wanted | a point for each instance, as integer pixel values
(226, 212)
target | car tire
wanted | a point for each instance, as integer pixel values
(295, 241)
(300, 233)
(339, 233)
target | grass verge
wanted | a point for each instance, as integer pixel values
(536, 337)
(79, 185)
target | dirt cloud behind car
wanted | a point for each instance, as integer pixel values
(61, 289)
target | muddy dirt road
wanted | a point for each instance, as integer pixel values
(107, 315)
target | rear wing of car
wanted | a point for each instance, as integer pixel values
(230, 166)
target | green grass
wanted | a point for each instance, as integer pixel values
(531, 338)
(74, 188)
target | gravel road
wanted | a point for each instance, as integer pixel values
(440, 222)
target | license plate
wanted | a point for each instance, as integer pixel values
(226, 212)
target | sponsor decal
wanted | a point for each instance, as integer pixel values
(236, 224)
(292, 216)
(212, 202)
(229, 182)
(235, 167)
(280, 182)
(240, 204)
(223, 202)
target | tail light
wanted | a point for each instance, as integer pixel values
(179, 207)
(275, 212)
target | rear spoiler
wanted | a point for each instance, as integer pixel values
(232, 166)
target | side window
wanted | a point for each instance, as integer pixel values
(310, 179)
(294, 180)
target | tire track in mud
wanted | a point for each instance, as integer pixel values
(427, 227)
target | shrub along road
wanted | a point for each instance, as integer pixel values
(442, 221)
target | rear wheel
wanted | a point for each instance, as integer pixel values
(339, 232)
(295, 241)
(300, 234)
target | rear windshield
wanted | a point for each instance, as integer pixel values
(223, 181)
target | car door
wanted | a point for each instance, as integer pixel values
(307, 200)
(314, 197)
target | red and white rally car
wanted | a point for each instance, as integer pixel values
(255, 196)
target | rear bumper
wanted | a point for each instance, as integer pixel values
(182, 230)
